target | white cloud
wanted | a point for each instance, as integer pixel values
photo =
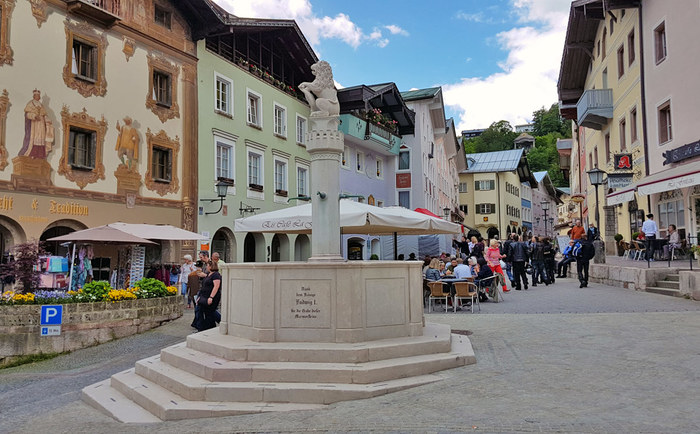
(314, 27)
(528, 76)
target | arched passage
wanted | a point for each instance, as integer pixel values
(375, 247)
(355, 249)
(302, 248)
(11, 233)
(254, 248)
(492, 232)
(56, 229)
(280, 248)
(224, 243)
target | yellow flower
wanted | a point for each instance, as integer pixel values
(171, 290)
(119, 295)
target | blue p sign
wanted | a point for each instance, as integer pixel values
(51, 314)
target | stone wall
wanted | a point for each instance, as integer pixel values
(84, 325)
(690, 280)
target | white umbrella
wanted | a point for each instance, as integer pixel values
(355, 218)
(157, 232)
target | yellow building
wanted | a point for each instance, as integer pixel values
(489, 192)
(98, 115)
(600, 89)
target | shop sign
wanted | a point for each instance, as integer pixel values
(683, 152)
(619, 180)
(403, 180)
(51, 319)
(6, 203)
(486, 219)
(623, 161)
(513, 223)
(68, 208)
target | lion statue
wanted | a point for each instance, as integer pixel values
(320, 93)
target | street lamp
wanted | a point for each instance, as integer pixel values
(221, 192)
(446, 210)
(545, 208)
(596, 177)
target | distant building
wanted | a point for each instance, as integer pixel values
(470, 134)
(525, 128)
(524, 141)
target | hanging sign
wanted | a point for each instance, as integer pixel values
(623, 161)
(619, 180)
(681, 153)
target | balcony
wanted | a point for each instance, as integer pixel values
(105, 12)
(354, 126)
(595, 108)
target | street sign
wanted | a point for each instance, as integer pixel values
(51, 314)
(51, 330)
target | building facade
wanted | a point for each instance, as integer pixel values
(98, 116)
(252, 132)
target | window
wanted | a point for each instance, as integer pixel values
(660, 43)
(630, 47)
(161, 88)
(671, 213)
(380, 168)
(633, 125)
(162, 94)
(612, 26)
(359, 161)
(281, 177)
(595, 157)
(161, 176)
(82, 148)
(222, 97)
(404, 160)
(224, 159)
(623, 135)
(607, 148)
(280, 120)
(665, 132)
(621, 61)
(344, 158)
(254, 171)
(302, 181)
(85, 51)
(162, 17)
(301, 130)
(84, 60)
(464, 209)
(161, 164)
(485, 185)
(605, 36)
(485, 208)
(463, 187)
(254, 110)
(405, 199)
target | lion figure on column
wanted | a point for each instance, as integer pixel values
(321, 93)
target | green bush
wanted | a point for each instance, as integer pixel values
(150, 288)
(94, 291)
(618, 237)
(374, 257)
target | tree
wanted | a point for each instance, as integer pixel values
(550, 121)
(497, 137)
(22, 266)
(544, 156)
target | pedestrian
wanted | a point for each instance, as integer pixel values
(187, 267)
(507, 258)
(549, 263)
(209, 298)
(215, 257)
(651, 230)
(520, 258)
(584, 252)
(577, 230)
(477, 249)
(593, 233)
(674, 242)
(493, 258)
(537, 261)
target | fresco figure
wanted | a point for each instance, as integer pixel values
(38, 129)
(127, 143)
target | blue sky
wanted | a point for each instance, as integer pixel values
(496, 59)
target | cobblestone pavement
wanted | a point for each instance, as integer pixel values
(550, 359)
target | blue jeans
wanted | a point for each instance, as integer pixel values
(538, 272)
(509, 271)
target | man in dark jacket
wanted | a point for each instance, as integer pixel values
(583, 256)
(506, 250)
(537, 261)
(519, 258)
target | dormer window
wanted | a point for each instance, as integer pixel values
(162, 17)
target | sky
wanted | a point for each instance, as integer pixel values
(495, 59)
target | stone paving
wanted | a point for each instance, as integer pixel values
(550, 359)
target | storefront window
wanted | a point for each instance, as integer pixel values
(672, 213)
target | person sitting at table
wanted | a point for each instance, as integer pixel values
(674, 241)
(483, 271)
(471, 262)
(443, 271)
(433, 273)
(451, 266)
(462, 270)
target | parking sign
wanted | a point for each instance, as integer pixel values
(51, 314)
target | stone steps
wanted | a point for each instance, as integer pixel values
(673, 277)
(188, 381)
(668, 284)
(664, 291)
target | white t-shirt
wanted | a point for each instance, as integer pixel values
(649, 228)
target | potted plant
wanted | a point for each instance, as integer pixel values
(635, 235)
(620, 245)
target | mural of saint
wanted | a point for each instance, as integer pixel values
(127, 143)
(38, 129)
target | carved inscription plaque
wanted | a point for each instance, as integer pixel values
(305, 303)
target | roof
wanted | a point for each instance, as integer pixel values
(500, 161)
(524, 137)
(539, 176)
(565, 190)
(412, 95)
(384, 96)
(563, 144)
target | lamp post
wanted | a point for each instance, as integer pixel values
(446, 210)
(596, 177)
(221, 192)
(545, 208)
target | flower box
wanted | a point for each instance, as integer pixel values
(255, 187)
(281, 193)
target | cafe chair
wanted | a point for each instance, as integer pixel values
(682, 250)
(466, 291)
(641, 250)
(436, 293)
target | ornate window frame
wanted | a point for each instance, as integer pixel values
(161, 140)
(6, 8)
(86, 122)
(86, 34)
(4, 104)
(161, 64)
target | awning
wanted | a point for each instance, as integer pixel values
(666, 180)
(157, 232)
(621, 197)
